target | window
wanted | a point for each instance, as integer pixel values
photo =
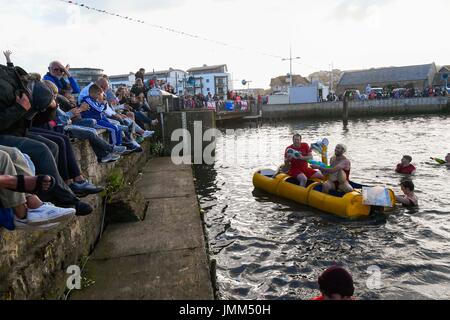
(207, 80)
(221, 85)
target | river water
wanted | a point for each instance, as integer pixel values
(270, 248)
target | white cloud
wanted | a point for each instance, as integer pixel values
(351, 33)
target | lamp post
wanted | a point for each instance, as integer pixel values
(290, 63)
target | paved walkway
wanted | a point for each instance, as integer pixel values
(163, 257)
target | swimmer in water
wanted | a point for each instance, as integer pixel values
(408, 199)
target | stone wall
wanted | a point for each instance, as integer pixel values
(33, 264)
(358, 108)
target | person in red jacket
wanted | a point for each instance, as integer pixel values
(336, 283)
(405, 167)
(298, 166)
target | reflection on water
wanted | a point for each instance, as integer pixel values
(270, 248)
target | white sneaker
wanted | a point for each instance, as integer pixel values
(22, 224)
(47, 213)
(135, 144)
(148, 134)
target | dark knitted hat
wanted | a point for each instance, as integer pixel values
(41, 96)
(336, 280)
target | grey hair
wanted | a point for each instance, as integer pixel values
(343, 146)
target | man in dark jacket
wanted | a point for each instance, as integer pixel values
(20, 101)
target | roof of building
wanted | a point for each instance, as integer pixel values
(206, 68)
(284, 80)
(391, 74)
(116, 76)
(162, 72)
(86, 69)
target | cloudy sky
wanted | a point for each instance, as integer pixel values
(351, 34)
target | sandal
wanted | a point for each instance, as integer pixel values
(41, 179)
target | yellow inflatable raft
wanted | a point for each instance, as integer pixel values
(348, 205)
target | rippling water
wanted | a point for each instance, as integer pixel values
(270, 248)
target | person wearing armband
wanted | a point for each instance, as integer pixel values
(296, 157)
(338, 173)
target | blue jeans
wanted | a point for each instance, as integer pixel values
(90, 123)
(101, 147)
(116, 132)
(141, 117)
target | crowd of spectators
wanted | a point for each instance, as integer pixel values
(216, 102)
(40, 180)
(142, 88)
(394, 93)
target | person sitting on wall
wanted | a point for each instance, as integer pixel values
(140, 74)
(21, 98)
(138, 87)
(405, 166)
(95, 100)
(28, 211)
(298, 167)
(338, 173)
(57, 74)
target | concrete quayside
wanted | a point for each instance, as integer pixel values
(162, 257)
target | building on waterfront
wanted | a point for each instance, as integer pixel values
(312, 93)
(419, 77)
(251, 92)
(84, 76)
(282, 83)
(439, 80)
(209, 79)
(175, 77)
(122, 80)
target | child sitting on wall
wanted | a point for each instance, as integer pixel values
(95, 100)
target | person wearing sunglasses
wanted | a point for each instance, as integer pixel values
(61, 77)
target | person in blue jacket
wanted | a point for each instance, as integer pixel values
(96, 109)
(57, 74)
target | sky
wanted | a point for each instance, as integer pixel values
(348, 34)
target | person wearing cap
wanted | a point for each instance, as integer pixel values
(20, 101)
(338, 173)
(335, 283)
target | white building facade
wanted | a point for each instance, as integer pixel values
(175, 77)
(210, 79)
(122, 80)
(207, 79)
